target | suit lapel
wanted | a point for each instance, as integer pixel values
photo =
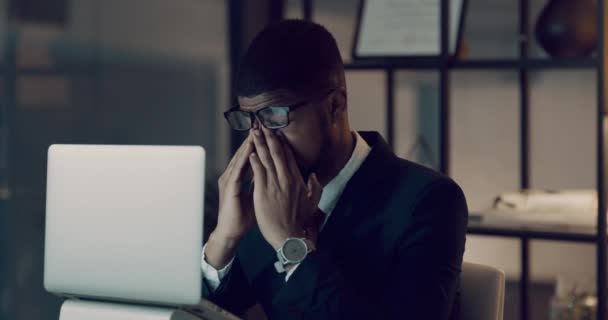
(356, 197)
(355, 200)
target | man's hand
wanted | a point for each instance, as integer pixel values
(285, 205)
(235, 215)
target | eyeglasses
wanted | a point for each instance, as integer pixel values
(271, 117)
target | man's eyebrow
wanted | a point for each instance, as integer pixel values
(254, 107)
(268, 102)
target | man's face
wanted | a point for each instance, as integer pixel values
(308, 129)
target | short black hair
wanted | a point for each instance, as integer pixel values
(291, 54)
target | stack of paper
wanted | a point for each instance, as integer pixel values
(544, 208)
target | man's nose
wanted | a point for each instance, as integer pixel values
(256, 123)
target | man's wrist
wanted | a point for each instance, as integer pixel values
(278, 242)
(298, 249)
(220, 250)
(227, 242)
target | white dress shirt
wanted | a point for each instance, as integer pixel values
(329, 198)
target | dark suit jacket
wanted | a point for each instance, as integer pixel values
(392, 249)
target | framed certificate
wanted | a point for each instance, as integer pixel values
(405, 28)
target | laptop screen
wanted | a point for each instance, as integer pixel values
(125, 222)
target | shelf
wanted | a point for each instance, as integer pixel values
(573, 234)
(585, 63)
(436, 63)
(418, 63)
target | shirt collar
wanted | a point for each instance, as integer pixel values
(333, 190)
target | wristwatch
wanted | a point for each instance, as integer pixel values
(293, 251)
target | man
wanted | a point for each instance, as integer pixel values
(333, 225)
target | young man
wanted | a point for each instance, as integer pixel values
(333, 225)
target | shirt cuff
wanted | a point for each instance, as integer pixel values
(213, 276)
(291, 271)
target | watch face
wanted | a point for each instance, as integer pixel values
(295, 250)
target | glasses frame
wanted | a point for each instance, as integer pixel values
(255, 114)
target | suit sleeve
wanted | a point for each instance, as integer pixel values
(234, 293)
(423, 279)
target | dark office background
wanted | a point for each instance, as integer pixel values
(89, 71)
(159, 72)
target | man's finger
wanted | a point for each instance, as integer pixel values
(314, 189)
(290, 159)
(239, 151)
(277, 154)
(259, 172)
(237, 173)
(262, 152)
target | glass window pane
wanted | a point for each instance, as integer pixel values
(42, 91)
(484, 144)
(366, 100)
(339, 17)
(563, 141)
(417, 117)
(293, 9)
(491, 30)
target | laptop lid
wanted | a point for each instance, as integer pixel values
(125, 222)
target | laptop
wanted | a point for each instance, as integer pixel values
(125, 223)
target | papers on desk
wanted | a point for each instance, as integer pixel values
(207, 310)
(570, 208)
(75, 309)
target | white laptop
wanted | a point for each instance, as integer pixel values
(125, 223)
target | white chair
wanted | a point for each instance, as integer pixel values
(483, 292)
